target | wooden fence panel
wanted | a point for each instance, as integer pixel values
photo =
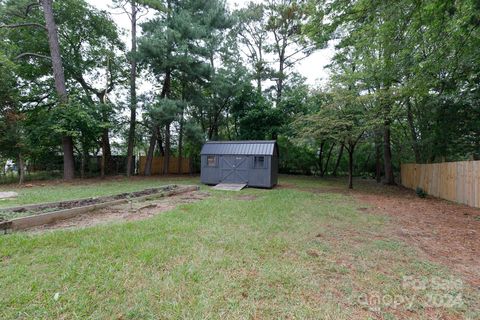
(157, 165)
(454, 181)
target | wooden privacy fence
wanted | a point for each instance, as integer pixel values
(455, 181)
(157, 165)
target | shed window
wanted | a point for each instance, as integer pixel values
(211, 161)
(259, 162)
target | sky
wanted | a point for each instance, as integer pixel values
(312, 67)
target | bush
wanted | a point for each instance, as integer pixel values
(420, 192)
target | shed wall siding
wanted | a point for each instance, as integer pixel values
(235, 164)
(274, 170)
(209, 175)
(260, 177)
(256, 177)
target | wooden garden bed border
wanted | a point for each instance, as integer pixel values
(49, 217)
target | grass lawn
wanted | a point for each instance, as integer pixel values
(279, 254)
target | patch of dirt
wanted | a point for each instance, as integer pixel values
(124, 212)
(39, 209)
(446, 232)
(313, 253)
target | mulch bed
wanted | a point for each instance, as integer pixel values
(444, 232)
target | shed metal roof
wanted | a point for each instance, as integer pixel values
(266, 148)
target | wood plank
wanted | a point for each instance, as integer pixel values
(230, 186)
(157, 165)
(46, 218)
(454, 181)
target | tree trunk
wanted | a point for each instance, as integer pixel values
(151, 150)
(106, 154)
(133, 90)
(68, 161)
(21, 169)
(229, 133)
(161, 150)
(339, 158)
(210, 132)
(166, 84)
(259, 82)
(166, 158)
(102, 164)
(387, 156)
(350, 167)
(260, 67)
(155, 132)
(413, 132)
(60, 87)
(367, 162)
(82, 164)
(280, 80)
(320, 158)
(53, 42)
(180, 145)
(378, 161)
(325, 170)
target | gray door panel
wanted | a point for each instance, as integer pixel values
(234, 169)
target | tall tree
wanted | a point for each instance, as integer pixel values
(133, 9)
(133, 87)
(285, 22)
(90, 47)
(252, 32)
(97, 66)
(60, 86)
(344, 120)
(175, 44)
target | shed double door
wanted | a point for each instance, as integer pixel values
(234, 169)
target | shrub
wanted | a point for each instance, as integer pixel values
(420, 192)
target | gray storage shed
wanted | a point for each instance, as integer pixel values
(254, 163)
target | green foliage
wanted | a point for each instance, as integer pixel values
(11, 138)
(74, 119)
(222, 75)
(172, 40)
(420, 192)
(193, 138)
(12, 119)
(296, 158)
(252, 34)
(91, 50)
(417, 80)
(260, 123)
(164, 111)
